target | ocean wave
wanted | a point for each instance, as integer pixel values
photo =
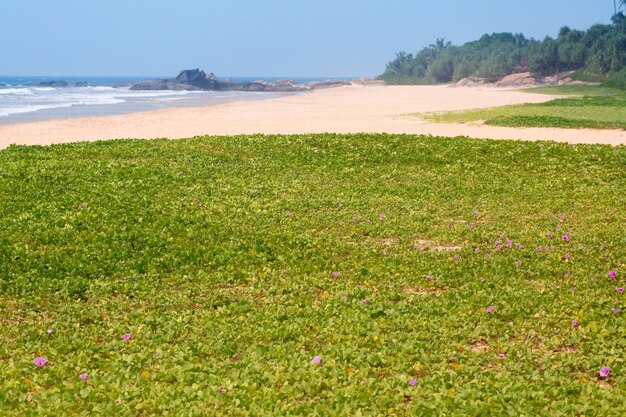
(44, 88)
(29, 108)
(16, 91)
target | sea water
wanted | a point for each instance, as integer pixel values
(22, 100)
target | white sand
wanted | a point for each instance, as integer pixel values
(349, 109)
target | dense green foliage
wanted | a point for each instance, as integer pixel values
(231, 263)
(595, 53)
(601, 108)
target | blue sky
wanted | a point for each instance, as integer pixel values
(258, 38)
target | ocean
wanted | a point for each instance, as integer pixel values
(22, 101)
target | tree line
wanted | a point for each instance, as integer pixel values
(595, 54)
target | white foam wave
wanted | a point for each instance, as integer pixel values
(44, 88)
(16, 91)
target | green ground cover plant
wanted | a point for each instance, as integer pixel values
(312, 275)
(598, 108)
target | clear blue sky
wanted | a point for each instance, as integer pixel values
(258, 38)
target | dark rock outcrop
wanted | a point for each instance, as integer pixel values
(198, 80)
(59, 83)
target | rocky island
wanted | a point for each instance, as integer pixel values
(198, 80)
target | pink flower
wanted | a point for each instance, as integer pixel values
(84, 376)
(126, 336)
(605, 372)
(381, 217)
(549, 235)
(538, 249)
(620, 290)
(487, 255)
(118, 401)
(413, 382)
(508, 243)
(566, 236)
(616, 310)
(472, 226)
(336, 274)
(40, 361)
(221, 389)
(288, 214)
(490, 309)
(612, 274)
(477, 250)
(562, 218)
(566, 256)
(499, 246)
(501, 356)
(50, 330)
(344, 298)
(430, 277)
(422, 249)
(518, 262)
(317, 360)
(476, 213)
(457, 256)
(574, 323)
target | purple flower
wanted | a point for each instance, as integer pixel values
(612, 274)
(547, 249)
(605, 372)
(499, 246)
(620, 290)
(476, 213)
(422, 249)
(288, 214)
(490, 309)
(221, 389)
(566, 236)
(574, 323)
(84, 376)
(413, 382)
(501, 356)
(550, 235)
(344, 298)
(487, 255)
(381, 217)
(502, 235)
(340, 205)
(126, 336)
(457, 256)
(518, 262)
(477, 250)
(616, 310)
(583, 248)
(40, 361)
(557, 229)
(430, 277)
(562, 218)
(518, 245)
(317, 360)
(472, 226)
(538, 249)
(336, 274)
(566, 256)
(508, 243)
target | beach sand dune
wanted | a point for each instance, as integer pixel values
(349, 109)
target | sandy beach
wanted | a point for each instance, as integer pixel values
(349, 109)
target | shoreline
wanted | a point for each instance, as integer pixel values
(348, 109)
